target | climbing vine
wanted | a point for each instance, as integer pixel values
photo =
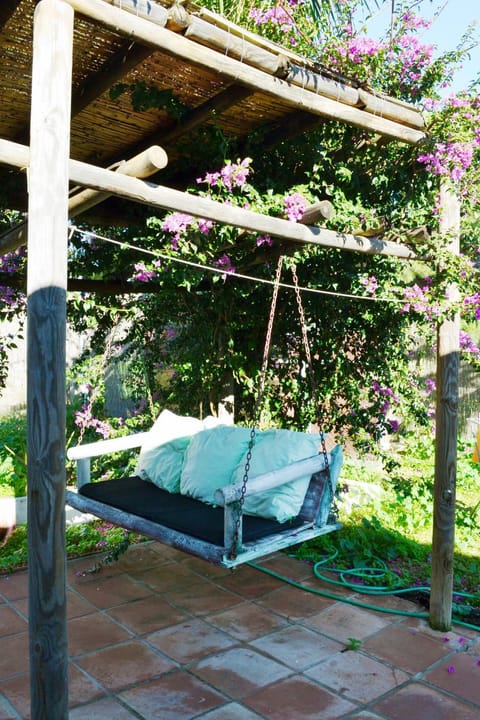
(199, 329)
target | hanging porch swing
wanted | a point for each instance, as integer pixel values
(233, 522)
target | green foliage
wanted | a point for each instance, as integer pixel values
(386, 511)
(82, 539)
(145, 97)
(13, 455)
(194, 333)
(353, 644)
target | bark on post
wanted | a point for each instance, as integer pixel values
(448, 346)
(47, 281)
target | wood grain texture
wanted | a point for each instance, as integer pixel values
(46, 330)
(168, 198)
(445, 440)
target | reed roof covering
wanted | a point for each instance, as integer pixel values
(210, 69)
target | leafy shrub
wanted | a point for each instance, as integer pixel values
(13, 455)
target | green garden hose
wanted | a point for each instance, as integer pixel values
(366, 590)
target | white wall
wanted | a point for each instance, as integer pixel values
(14, 395)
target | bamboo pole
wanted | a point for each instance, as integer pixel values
(448, 347)
(160, 196)
(147, 9)
(236, 47)
(395, 111)
(306, 78)
(46, 357)
(145, 32)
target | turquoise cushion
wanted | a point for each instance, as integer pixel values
(216, 457)
(210, 460)
(162, 465)
(162, 453)
(273, 450)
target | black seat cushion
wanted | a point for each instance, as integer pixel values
(178, 512)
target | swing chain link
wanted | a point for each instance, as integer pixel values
(257, 413)
(306, 344)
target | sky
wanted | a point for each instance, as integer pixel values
(451, 19)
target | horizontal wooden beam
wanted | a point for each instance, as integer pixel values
(275, 478)
(147, 33)
(84, 285)
(237, 47)
(322, 210)
(169, 199)
(209, 109)
(143, 165)
(125, 59)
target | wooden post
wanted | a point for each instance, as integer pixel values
(446, 438)
(46, 321)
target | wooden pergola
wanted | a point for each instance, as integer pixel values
(55, 85)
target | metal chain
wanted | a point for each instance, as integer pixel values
(257, 412)
(308, 354)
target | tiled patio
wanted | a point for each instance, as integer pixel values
(163, 635)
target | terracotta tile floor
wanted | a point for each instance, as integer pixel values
(165, 636)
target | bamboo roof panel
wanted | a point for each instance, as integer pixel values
(217, 72)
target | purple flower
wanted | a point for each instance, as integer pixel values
(204, 225)
(177, 223)
(295, 206)
(371, 284)
(394, 425)
(430, 386)
(142, 274)
(224, 263)
(467, 344)
(264, 240)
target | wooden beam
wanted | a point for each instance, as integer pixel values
(143, 165)
(99, 287)
(322, 210)
(46, 357)
(225, 99)
(236, 47)
(169, 199)
(446, 421)
(115, 68)
(179, 46)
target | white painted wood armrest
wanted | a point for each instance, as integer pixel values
(260, 483)
(103, 447)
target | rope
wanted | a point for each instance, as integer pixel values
(237, 275)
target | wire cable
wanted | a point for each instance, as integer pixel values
(236, 275)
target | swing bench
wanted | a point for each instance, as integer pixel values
(228, 525)
(221, 534)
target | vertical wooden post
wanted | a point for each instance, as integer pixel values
(448, 346)
(46, 287)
